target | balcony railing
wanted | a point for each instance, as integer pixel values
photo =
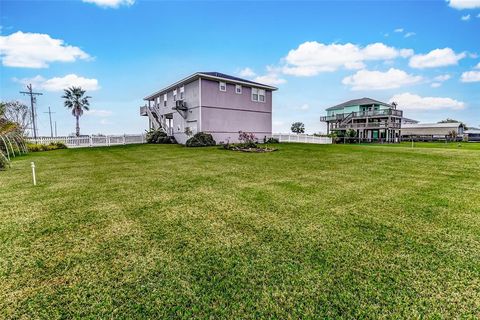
(371, 125)
(143, 111)
(373, 113)
(364, 114)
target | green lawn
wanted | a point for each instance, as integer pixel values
(441, 145)
(309, 231)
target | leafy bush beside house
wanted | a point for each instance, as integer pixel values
(247, 139)
(201, 139)
(159, 137)
(271, 140)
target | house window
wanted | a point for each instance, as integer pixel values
(238, 89)
(175, 95)
(165, 100)
(222, 86)
(182, 92)
(254, 94)
(261, 95)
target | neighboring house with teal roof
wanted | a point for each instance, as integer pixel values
(372, 120)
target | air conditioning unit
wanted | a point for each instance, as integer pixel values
(181, 105)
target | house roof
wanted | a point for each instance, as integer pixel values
(359, 102)
(431, 125)
(408, 120)
(212, 76)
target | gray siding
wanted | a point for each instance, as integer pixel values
(226, 113)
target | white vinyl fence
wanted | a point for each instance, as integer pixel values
(301, 138)
(92, 141)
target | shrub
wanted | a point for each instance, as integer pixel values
(247, 139)
(32, 147)
(159, 137)
(271, 140)
(201, 139)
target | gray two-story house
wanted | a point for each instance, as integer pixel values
(214, 103)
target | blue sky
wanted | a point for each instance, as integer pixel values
(424, 55)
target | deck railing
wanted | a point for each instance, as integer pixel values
(363, 114)
(368, 125)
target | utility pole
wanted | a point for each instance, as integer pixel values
(55, 129)
(32, 104)
(50, 116)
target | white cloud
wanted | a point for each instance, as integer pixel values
(311, 58)
(464, 4)
(111, 3)
(439, 79)
(399, 30)
(272, 77)
(377, 80)
(60, 83)
(477, 66)
(409, 101)
(304, 107)
(247, 72)
(36, 50)
(443, 77)
(465, 18)
(436, 58)
(105, 122)
(98, 113)
(409, 34)
(470, 76)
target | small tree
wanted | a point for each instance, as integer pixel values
(453, 135)
(298, 127)
(18, 113)
(76, 101)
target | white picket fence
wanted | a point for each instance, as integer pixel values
(93, 141)
(301, 138)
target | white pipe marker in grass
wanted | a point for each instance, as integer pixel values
(33, 174)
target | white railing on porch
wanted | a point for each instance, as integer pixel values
(301, 138)
(92, 141)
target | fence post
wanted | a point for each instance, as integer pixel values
(90, 140)
(124, 139)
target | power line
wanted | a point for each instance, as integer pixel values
(32, 105)
(50, 116)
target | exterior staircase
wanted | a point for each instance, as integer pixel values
(346, 120)
(158, 120)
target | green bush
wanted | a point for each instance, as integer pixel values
(159, 137)
(32, 147)
(271, 140)
(201, 139)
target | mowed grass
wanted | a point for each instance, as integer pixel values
(440, 145)
(309, 231)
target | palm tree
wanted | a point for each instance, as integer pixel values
(77, 102)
